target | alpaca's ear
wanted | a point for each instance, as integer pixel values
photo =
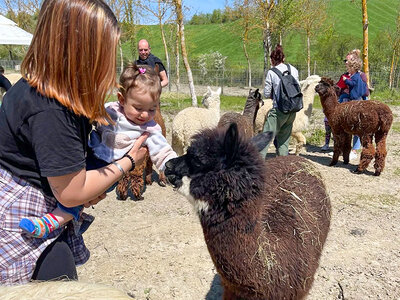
(231, 143)
(262, 140)
(219, 91)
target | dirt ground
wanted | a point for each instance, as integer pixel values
(154, 249)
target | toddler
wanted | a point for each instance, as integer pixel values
(132, 115)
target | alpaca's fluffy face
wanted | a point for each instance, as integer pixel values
(187, 171)
(327, 87)
(219, 169)
(256, 98)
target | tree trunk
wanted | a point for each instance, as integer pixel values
(365, 39)
(308, 55)
(121, 55)
(248, 61)
(391, 74)
(179, 16)
(177, 59)
(267, 49)
(166, 52)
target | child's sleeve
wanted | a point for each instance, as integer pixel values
(159, 149)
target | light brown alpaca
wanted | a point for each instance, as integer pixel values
(133, 180)
(366, 119)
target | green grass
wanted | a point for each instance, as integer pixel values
(174, 102)
(388, 96)
(396, 127)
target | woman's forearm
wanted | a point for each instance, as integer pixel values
(80, 187)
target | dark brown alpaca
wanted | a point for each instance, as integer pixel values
(133, 180)
(264, 222)
(246, 120)
(366, 119)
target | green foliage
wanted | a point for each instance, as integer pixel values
(316, 138)
(218, 16)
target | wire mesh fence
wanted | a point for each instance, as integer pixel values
(379, 76)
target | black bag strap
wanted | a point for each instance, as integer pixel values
(288, 67)
(277, 72)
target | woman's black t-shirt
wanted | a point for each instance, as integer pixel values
(39, 137)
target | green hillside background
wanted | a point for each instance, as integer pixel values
(344, 15)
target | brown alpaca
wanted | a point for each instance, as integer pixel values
(366, 119)
(264, 222)
(133, 180)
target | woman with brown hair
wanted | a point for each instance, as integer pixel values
(45, 121)
(280, 123)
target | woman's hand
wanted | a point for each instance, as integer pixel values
(95, 200)
(138, 152)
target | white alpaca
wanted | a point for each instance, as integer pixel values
(192, 120)
(302, 117)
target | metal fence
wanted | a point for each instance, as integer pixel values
(379, 76)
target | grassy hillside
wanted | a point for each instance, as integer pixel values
(343, 14)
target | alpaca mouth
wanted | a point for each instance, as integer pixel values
(174, 180)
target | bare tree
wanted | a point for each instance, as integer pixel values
(163, 14)
(394, 40)
(311, 17)
(265, 8)
(181, 30)
(177, 80)
(130, 24)
(365, 39)
(117, 7)
(243, 11)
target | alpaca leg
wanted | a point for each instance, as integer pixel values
(148, 170)
(136, 183)
(380, 155)
(346, 148)
(162, 179)
(122, 188)
(300, 141)
(367, 153)
(337, 148)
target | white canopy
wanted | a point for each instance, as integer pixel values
(11, 34)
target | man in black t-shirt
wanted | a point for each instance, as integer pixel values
(146, 58)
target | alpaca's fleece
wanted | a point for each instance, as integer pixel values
(192, 120)
(264, 222)
(133, 181)
(366, 119)
(302, 117)
(246, 119)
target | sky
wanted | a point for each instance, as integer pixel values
(203, 6)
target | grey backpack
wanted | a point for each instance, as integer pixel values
(290, 97)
